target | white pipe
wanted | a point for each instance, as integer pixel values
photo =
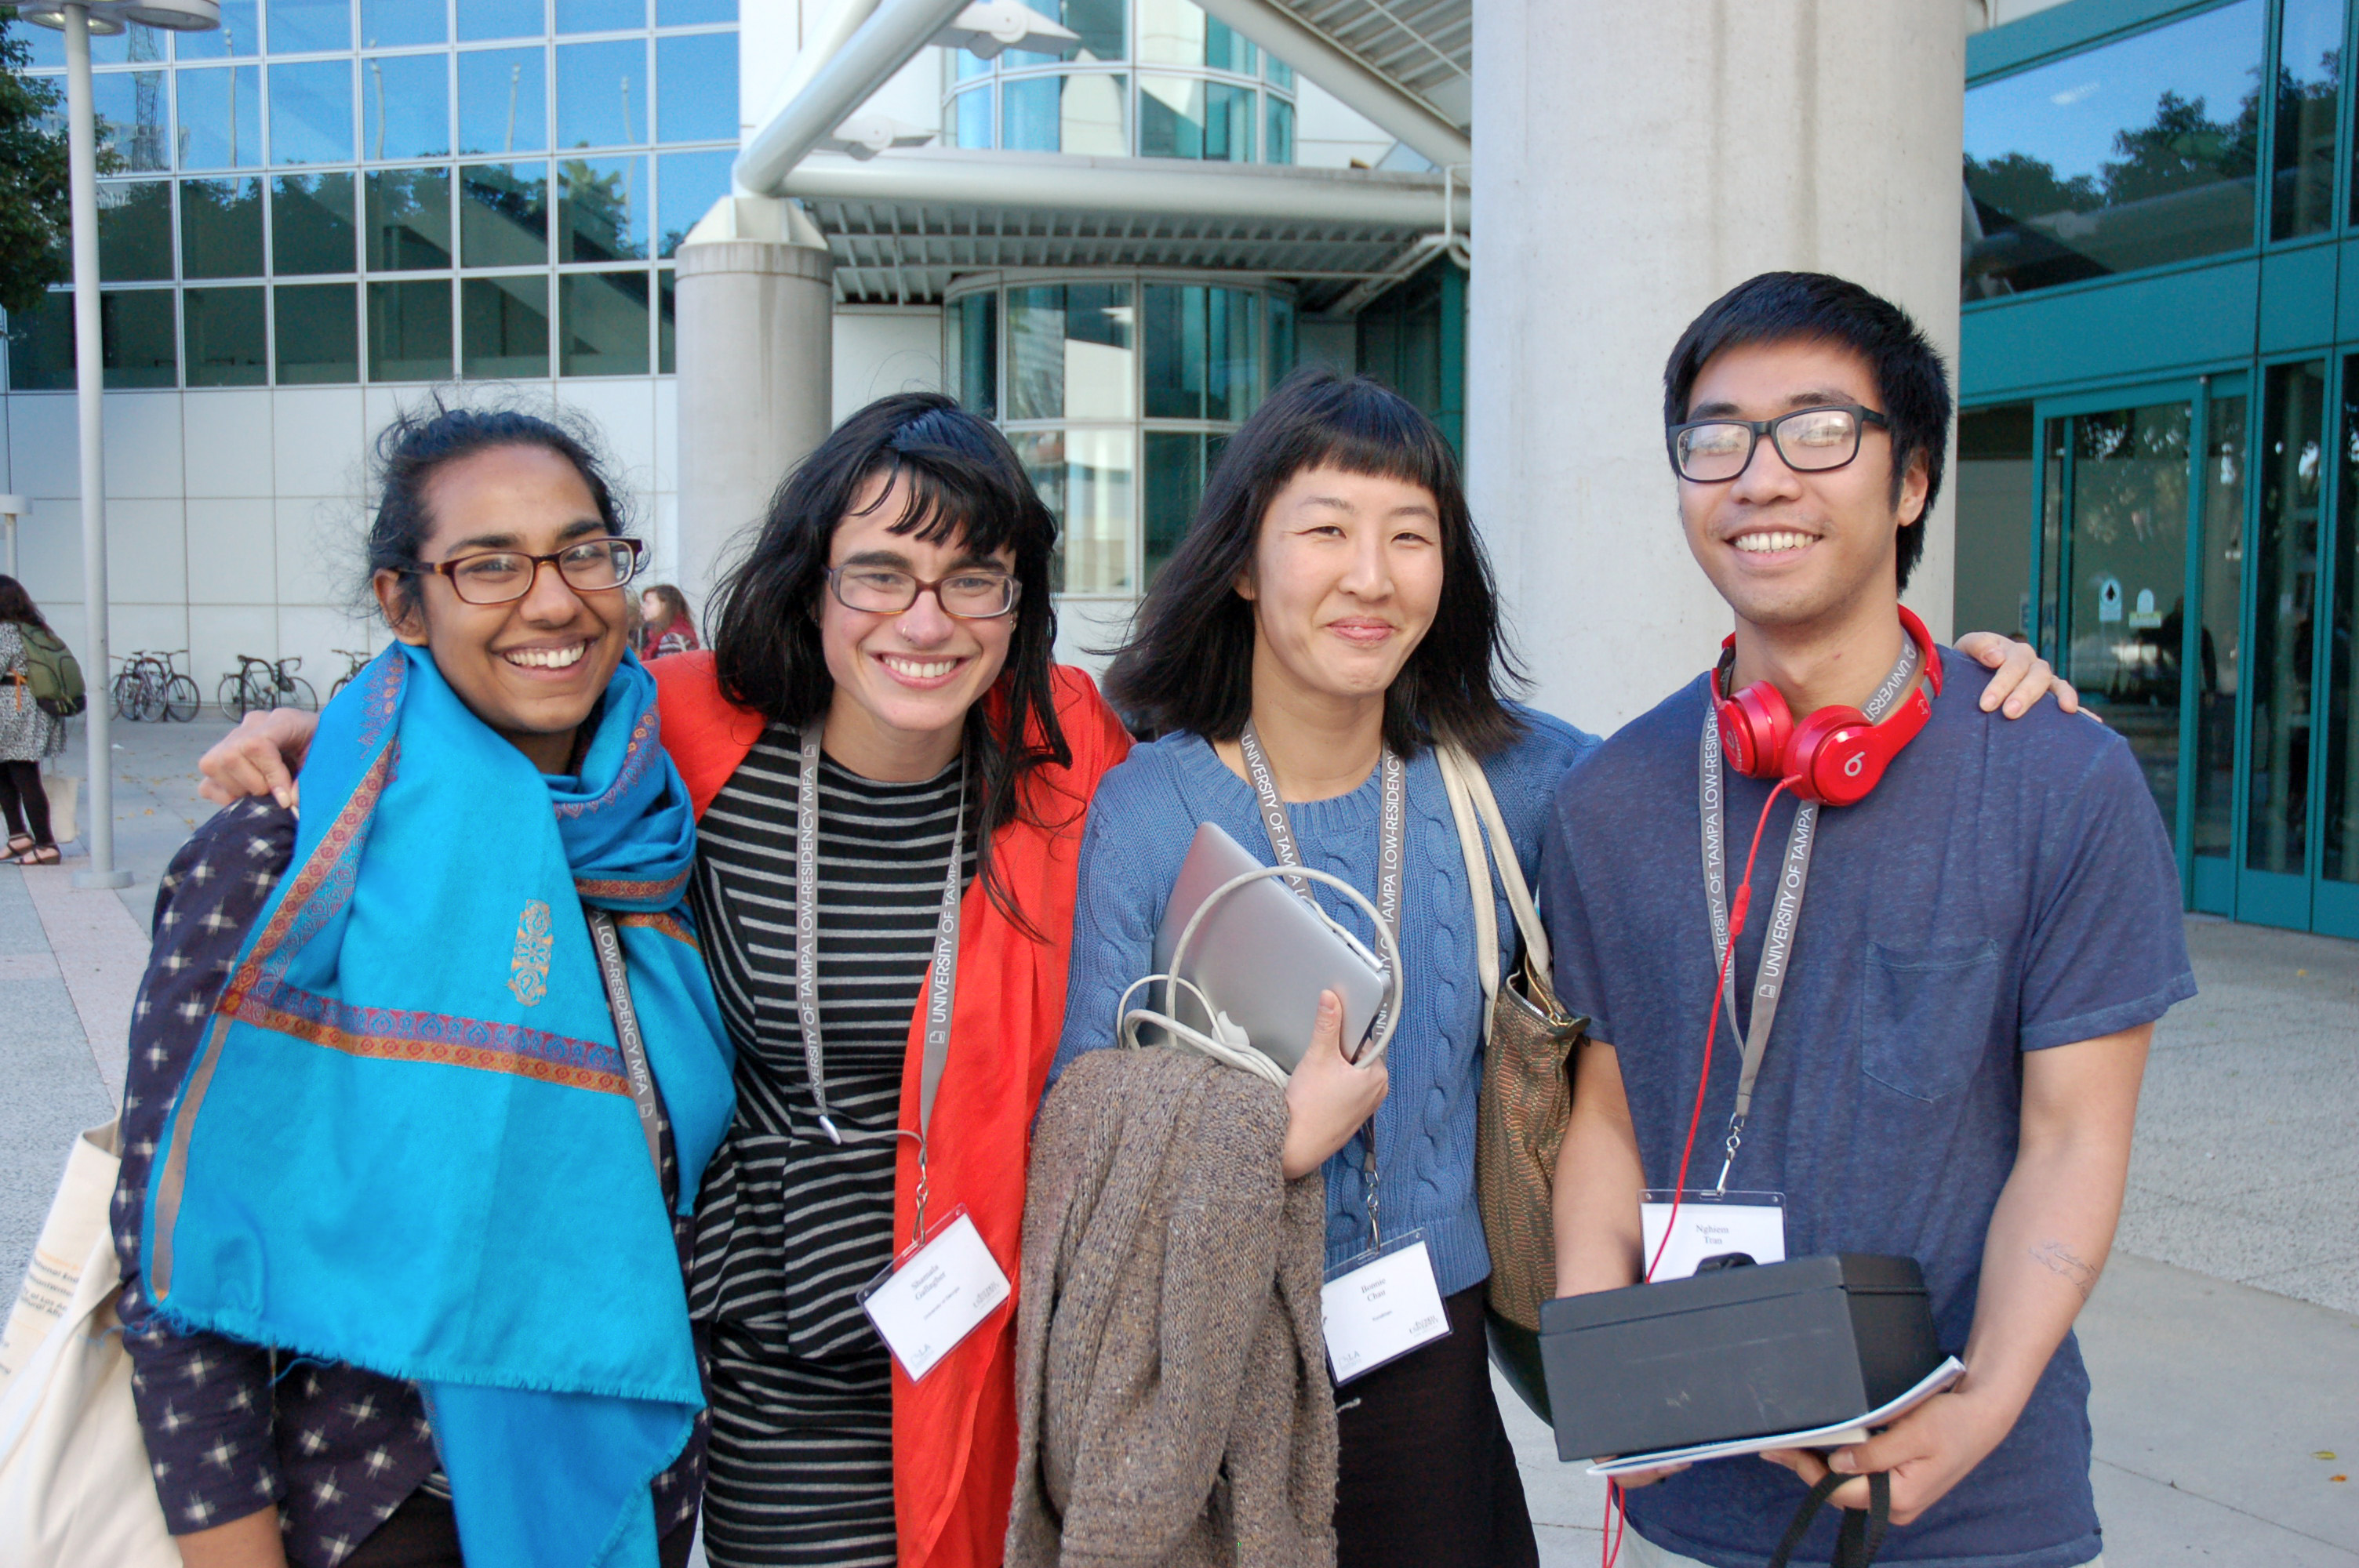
(887, 41)
(89, 385)
(1153, 187)
(829, 33)
(1347, 76)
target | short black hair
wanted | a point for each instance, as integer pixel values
(1187, 663)
(1910, 379)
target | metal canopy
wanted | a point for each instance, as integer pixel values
(1425, 47)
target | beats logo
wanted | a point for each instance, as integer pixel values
(1835, 756)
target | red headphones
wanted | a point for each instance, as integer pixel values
(1833, 757)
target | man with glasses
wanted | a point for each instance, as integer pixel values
(1951, 1030)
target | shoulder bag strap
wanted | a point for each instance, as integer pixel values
(1511, 874)
(1454, 765)
(608, 943)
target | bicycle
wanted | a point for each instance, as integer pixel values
(359, 663)
(258, 684)
(150, 687)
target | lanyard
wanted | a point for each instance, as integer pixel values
(1392, 830)
(1786, 913)
(941, 979)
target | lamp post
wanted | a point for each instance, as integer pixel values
(78, 19)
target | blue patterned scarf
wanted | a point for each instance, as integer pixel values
(408, 1141)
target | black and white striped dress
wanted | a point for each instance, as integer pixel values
(790, 1226)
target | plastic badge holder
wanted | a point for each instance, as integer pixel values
(1734, 1353)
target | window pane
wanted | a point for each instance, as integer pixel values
(135, 230)
(601, 211)
(503, 214)
(601, 94)
(312, 224)
(410, 330)
(221, 228)
(1068, 351)
(134, 330)
(972, 113)
(240, 33)
(1181, 116)
(600, 15)
(1201, 352)
(128, 106)
(2130, 154)
(1278, 145)
(1174, 483)
(501, 19)
(221, 117)
(2225, 460)
(1225, 49)
(503, 325)
(1084, 478)
(1281, 340)
(1102, 26)
(318, 334)
(688, 12)
(2285, 601)
(1232, 335)
(2309, 59)
(1277, 73)
(689, 184)
(391, 24)
(408, 219)
(41, 346)
(45, 48)
(1170, 32)
(1997, 485)
(503, 101)
(301, 27)
(222, 329)
(2341, 860)
(136, 45)
(602, 323)
(1081, 115)
(971, 349)
(665, 331)
(312, 112)
(697, 75)
(406, 105)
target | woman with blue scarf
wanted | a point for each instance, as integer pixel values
(423, 1083)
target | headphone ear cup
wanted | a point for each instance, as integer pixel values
(1837, 758)
(1756, 728)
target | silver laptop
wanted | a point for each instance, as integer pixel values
(1262, 955)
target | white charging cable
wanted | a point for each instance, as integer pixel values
(1230, 1044)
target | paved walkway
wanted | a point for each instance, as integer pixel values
(2222, 1341)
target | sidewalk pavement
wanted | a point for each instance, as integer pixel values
(2222, 1342)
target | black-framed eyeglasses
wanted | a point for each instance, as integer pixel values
(503, 577)
(1809, 440)
(974, 594)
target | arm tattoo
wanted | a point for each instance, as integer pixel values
(2057, 1260)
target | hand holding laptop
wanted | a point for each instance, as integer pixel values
(1328, 1098)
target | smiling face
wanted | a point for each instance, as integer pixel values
(1345, 582)
(532, 668)
(904, 681)
(1789, 549)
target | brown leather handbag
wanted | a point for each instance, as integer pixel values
(1527, 1096)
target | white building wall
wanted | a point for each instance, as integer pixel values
(885, 349)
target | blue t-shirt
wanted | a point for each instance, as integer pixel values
(2007, 888)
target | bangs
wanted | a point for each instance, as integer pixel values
(1370, 431)
(950, 496)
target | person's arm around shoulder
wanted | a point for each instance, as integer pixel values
(261, 756)
(2020, 676)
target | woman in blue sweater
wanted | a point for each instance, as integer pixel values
(1332, 609)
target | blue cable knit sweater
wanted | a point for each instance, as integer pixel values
(1146, 814)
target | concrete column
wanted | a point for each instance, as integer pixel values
(756, 316)
(1632, 163)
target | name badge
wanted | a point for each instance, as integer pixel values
(1380, 1306)
(1711, 1225)
(934, 1295)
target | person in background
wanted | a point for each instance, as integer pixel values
(1332, 609)
(401, 1201)
(27, 733)
(664, 624)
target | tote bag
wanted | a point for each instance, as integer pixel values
(74, 1487)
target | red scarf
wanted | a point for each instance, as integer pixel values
(954, 1434)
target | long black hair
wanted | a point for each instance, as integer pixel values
(1187, 663)
(18, 606)
(420, 443)
(964, 484)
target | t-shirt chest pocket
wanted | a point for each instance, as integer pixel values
(1925, 1019)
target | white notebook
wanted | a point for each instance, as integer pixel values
(1840, 1434)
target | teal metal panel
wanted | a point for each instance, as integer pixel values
(2215, 889)
(2171, 321)
(2336, 912)
(2297, 299)
(2062, 27)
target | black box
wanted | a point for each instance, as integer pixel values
(1734, 1353)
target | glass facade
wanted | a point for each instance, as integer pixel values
(1198, 91)
(1117, 391)
(477, 188)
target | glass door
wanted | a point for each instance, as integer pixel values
(2274, 880)
(2214, 654)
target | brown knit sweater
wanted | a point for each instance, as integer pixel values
(1170, 1380)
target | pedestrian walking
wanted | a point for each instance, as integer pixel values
(417, 1085)
(663, 623)
(28, 732)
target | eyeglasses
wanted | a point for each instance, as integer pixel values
(1809, 440)
(973, 595)
(503, 577)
